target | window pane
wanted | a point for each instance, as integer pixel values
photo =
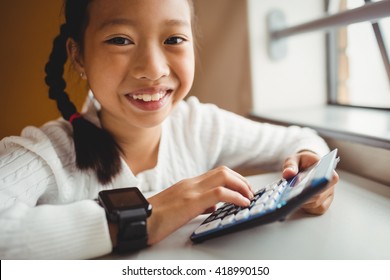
(362, 79)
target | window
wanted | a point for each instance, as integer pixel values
(359, 71)
(289, 78)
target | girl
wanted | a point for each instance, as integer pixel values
(135, 130)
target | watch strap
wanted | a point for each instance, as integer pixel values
(132, 234)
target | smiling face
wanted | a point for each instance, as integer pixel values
(138, 57)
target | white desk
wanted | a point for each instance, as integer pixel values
(357, 226)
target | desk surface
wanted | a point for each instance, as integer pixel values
(357, 226)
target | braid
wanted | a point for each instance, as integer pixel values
(54, 75)
(95, 148)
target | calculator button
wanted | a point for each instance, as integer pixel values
(227, 220)
(232, 211)
(221, 215)
(259, 202)
(210, 218)
(275, 196)
(226, 204)
(259, 192)
(243, 214)
(281, 181)
(262, 200)
(281, 188)
(257, 209)
(268, 193)
(209, 226)
(270, 204)
(227, 207)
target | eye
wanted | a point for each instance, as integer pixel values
(119, 41)
(174, 40)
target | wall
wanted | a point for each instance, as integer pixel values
(29, 27)
(223, 72)
(27, 30)
(366, 161)
(301, 75)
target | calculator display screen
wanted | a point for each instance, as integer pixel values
(299, 183)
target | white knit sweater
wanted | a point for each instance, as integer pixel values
(46, 204)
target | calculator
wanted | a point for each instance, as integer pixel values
(270, 203)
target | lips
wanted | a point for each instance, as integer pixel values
(150, 99)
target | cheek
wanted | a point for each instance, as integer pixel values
(186, 71)
(104, 86)
(104, 73)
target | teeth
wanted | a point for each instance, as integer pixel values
(156, 97)
(149, 97)
(146, 97)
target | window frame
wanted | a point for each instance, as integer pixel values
(331, 41)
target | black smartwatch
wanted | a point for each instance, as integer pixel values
(129, 209)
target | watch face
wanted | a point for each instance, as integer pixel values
(123, 199)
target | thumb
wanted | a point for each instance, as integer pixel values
(290, 167)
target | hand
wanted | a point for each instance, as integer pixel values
(319, 203)
(189, 198)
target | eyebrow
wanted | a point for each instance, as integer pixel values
(177, 22)
(116, 21)
(129, 22)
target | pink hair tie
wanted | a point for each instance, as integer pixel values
(74, 117)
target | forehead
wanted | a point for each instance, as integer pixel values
(103, 13)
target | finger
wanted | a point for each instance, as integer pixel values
(222, 194)
(318, 199)
(210, 209)
(223, 176)
(245, 180)
(335, 178)
(241, 178)
(300, 161)
(307, 159)
(329, 190)
(234, 173)
(321, 209)
(290, 167)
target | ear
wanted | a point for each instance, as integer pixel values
(74, 53)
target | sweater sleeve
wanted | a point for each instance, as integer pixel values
(72, 231)
(236, 141)
(36, 221)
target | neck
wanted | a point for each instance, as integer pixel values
(139, 146)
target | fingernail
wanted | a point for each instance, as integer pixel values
(292, 168)
(247, 201)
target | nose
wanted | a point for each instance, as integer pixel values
(150, 63)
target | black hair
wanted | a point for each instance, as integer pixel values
(95, 147)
